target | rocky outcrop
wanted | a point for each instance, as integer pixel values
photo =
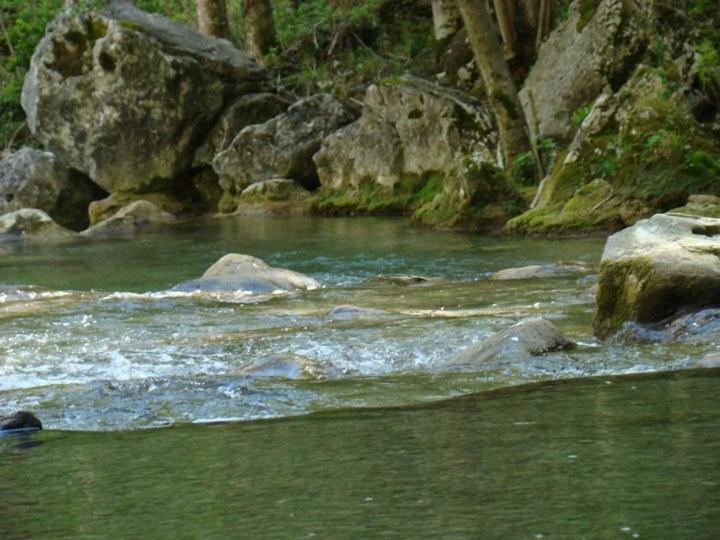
(130, 220)
(655, 269)
(21, 420)
(596, 46)
(32, 178)
(539, 271)
(283, 146)
(286, 366)
(700, 205)
(279, 196)
(638, 152)
(522, 341)
(235, 272)
(417, 148)
(126, 97)
(32, 225)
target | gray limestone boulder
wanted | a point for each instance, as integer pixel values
(658, 267)
(236, 272)
(126, 97)
(34, 226)
(31, 178)
(526, 339)
(597, 45)
(130, 220)
(283, 146)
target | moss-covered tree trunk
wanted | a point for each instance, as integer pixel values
(446, 19)
(259, 27)
(212, 18)
(505, 13)
(500, 87)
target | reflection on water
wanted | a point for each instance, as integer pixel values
(91, 338)
(630, 457)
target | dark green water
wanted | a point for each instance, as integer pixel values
(630, 457)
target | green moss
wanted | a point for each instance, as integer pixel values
(506, 101)
(227, 203)
(588, 8)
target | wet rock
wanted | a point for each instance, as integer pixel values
(657, 268)
(32, 225)
(109, 206)
(279, 196)
(348, 311)
(699, 327)
(700, 205)
(286, 366)
(126, 97)
(245, 111)
(420, 149)
(130, 220)
(20, 420)
(596, 46)
(711, 361)
(537, 271)
(402, 280)
(32, 178)
(283, 146)
(528, 338)
(235, 272)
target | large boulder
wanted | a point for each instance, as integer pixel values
(420, 148)
(283, 146)
(126, 97)
(235, 272)
(522, 341)
(32, 225)
(596, 46)
(279, 196)
(130, 220)
(31, 178)
(656, 268)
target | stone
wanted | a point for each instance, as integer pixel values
(32, 225)
(700, 205)
(595, 46)
(279, 196)
(697, 327)
(522, 341)
(286, 366)
(657, 268)
(31, 178)
(245, 111)
(21, 420)
(402, 280)
(130, 220)
(710, 361)
(539, 271)
(105, 208)
(236, 272)
(348, 311)
(283, 146)
(420, 149)
(126, 97)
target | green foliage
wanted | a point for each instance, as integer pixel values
(523, 168)
(580, 114)
(588, 8)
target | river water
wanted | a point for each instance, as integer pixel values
(91, 339)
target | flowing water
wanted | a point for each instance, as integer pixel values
(91, 338)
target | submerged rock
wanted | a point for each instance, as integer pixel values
(655, 269)
(32, 178)
(287, 366)
(699, 327)
(283, 146)
(528, 338)
(419, 149)
(126, 97)
(402, 280)
(20, 420)
(349, 311)
(235, 272)
(129, 220)
(32, 225)
(537, 271)
(711, 361)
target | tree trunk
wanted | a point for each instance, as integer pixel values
(544, 21)
(531, 13)
(446, 19)
(504, 12)
(259, 27)
(212, 18)
(496, 75)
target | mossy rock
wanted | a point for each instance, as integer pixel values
(105, 208)
(700, 205)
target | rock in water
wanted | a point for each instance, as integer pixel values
(129, 220)
(657, 267)
(528, 338)
(20, 420)
(282, 147)
(537, 271)
(235, 272)
(126, 97)
(32, 178)
(32, 225)
(287, 366)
